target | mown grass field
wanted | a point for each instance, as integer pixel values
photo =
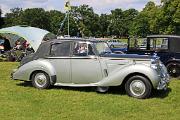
(20, 101)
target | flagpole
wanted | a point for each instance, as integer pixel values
(68, 8)
(68, 22)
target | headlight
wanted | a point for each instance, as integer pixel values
(154, 63)
(154, 66)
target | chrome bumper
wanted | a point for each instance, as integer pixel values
(164, 78)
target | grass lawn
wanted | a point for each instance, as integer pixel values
(19, 100)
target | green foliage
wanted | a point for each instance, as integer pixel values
(87, 20)
(19, 101)
(36, 17)
(55, 17)
(13, 18)
(1, 19)
(116, 23)
(104, 25)
(153, 19)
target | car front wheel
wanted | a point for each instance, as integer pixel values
(41, 80)
(138, 87)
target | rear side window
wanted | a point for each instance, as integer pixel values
(158, 43)
(60, 49)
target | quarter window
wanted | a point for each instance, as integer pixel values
(60, 49)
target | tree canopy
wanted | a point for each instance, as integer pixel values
(153, 19)
(1, 19)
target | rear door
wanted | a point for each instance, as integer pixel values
(60, 59)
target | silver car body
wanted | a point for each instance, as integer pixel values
(95, 70)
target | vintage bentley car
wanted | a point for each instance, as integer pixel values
(89, 62)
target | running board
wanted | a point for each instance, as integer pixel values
(76, 85)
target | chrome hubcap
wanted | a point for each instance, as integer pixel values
(174, 70)
(137, 87)
(40, 79)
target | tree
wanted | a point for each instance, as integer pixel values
(87, 21)
(171, 14)
(13, 18)
(147, 21)
(55, 18)
(104, 24)
(1, 19)
(35, 17)
(140, 26)
(116, 23)
(129, 17)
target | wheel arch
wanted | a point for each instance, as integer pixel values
(135, 74)
(52, 78)
(172, 61)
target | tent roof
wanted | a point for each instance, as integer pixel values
(33, 35)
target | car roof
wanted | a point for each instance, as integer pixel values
(161, 36)
(75, 39)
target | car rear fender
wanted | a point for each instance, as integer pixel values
(25, 72)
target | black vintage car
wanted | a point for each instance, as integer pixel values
(167, 47)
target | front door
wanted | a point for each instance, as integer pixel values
(85, 64)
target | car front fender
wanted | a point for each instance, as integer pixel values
(117, 77)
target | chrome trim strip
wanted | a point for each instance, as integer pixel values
(137, 59)
(74, 57)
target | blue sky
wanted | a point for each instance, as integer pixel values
(99, 6)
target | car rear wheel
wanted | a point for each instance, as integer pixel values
(173, 69)
(41, 80)
(138, 87)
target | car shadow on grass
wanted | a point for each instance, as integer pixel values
(112, 90)
(25, 84)
(160, 93)
(80, 89)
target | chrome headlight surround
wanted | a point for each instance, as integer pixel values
(154, 64)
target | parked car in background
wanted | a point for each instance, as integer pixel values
(117, 46)
(1, 46)
(164, 46)
(89, 62)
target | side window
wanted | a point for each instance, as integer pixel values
(158, 43)
(82, 49)
(137, 43)
(60, 49)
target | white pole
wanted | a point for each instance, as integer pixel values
(68, 22)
